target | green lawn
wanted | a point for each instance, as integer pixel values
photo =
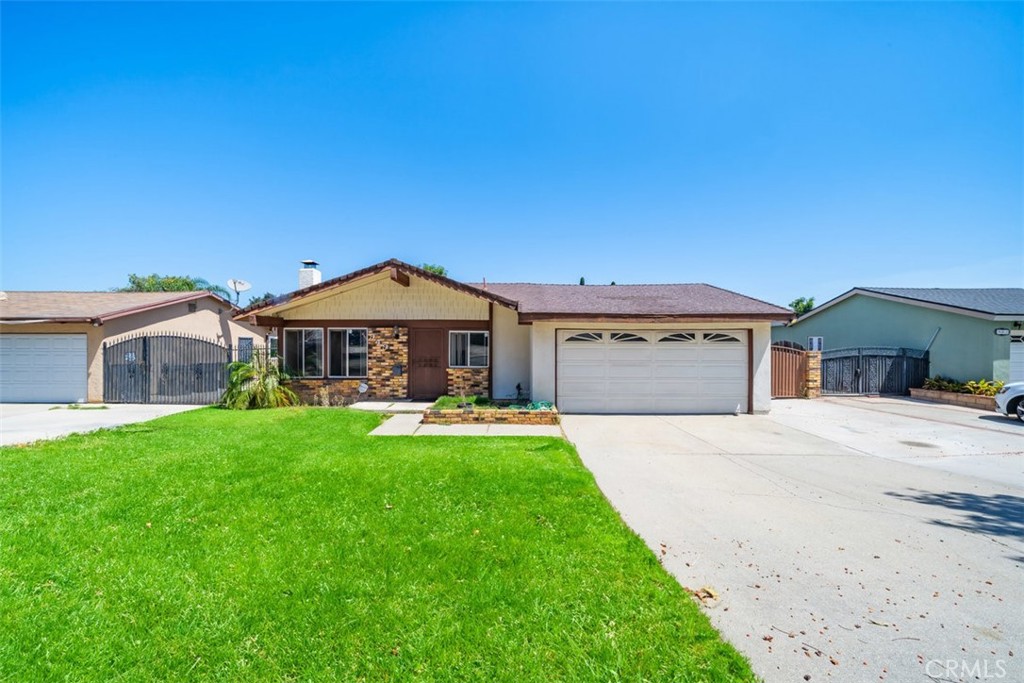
(288, 545)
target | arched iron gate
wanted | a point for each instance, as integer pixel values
(165, 368)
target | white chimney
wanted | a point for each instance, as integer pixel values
(309, 274)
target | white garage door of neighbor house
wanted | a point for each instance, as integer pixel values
(652, 371)
(43, 368)
(1017, 357)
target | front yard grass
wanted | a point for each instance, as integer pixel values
(289, 545)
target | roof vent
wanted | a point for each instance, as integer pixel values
(309, 274)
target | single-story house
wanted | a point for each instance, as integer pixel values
(969, 333)
(393, 330)
(51, 343)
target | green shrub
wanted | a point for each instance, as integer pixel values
(980, 387)
(256, 384)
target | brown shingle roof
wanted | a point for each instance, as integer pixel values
(623, 301)
(86, 306)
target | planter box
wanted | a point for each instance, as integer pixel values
(954, 399)
(468, 416)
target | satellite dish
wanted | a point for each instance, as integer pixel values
(363, 387)
(238, 286)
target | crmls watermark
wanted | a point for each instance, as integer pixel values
(957, 669)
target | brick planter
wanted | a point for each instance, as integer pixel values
(468, 416)
(955, 399)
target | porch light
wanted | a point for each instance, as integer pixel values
(396, 331)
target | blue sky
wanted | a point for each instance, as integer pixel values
(777, 149)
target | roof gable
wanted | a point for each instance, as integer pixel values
(1006, 303)
(397, 269)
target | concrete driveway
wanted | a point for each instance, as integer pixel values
(28, 422)
(846, 539)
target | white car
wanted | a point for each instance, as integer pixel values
(1010, 400)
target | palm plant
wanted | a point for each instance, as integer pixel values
(256, 384)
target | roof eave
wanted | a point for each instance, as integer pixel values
(653, 317)
(973, 313)
(186, 298)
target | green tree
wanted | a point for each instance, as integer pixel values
(264, 298)
(583, 281)
(801, 306)
(171, 283)
(256, 384)
(435, 269)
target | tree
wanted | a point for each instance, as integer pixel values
(801, 306)
(256, 384)
(171, 283)
(583, 281)
(264, 298)
(435, 269)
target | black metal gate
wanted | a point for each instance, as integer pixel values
(873, 370)
(165, 368)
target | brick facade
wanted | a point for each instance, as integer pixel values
(812, 381)
(468, 382)
(384, 351)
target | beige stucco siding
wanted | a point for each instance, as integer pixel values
(205, 322)
(380, 298)
(543, 353)
(510, 354)
(211, 320)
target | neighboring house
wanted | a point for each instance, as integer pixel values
(977, 332)
(396, 331)
(51, 343)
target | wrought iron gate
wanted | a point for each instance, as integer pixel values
(165, 368)
(872, 370)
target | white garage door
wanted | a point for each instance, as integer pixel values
(1017, 357)
(42, 368)
(652, 371)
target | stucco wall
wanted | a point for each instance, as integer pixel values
(510, 353)
(966, 347)
(211, 320)
(543, 354)
(380, 298)
(176, 318)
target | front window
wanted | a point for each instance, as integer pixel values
(468, 349)
(347, 349)
(304, 352)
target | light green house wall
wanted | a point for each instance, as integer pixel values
(966, 347)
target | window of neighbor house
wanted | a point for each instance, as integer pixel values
(347, 352)
(468, 349)
(304, 352)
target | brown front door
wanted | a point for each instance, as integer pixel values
(428, 378)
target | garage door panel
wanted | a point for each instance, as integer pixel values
(582, 387)
(617, 370)
(629, 389)
(653, 371)
(43, 368)
(641, 353)
(677, 370)
(573, 371)
(663, 388)
(583, 353)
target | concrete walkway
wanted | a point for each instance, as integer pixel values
(409, 425)
(848, 540)
(22, 423)
(392, 406)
